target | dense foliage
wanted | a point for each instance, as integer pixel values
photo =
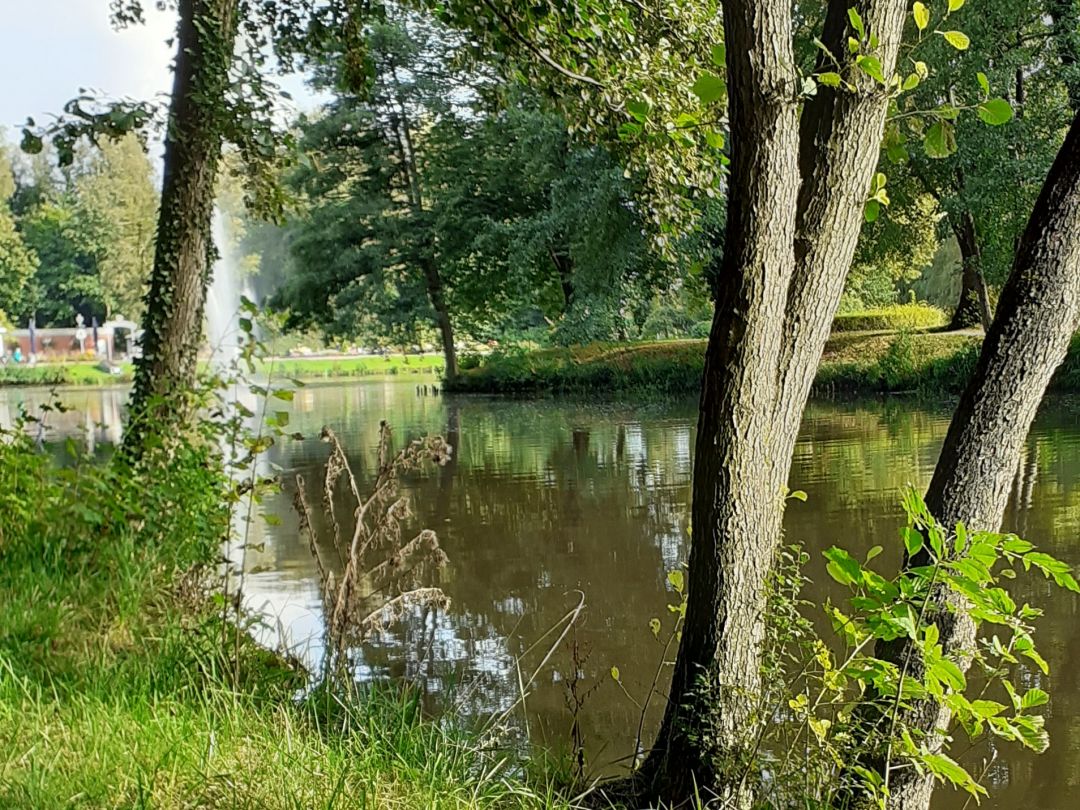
(77, 240)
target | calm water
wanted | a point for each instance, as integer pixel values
(547, 498)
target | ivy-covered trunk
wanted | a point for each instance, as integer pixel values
(1037, 315)
(973, 306)
(172, 323)
(796, 194)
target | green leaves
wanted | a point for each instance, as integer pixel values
(710, 88)
(856, 23)
(842, 567)
(639, 109)
(940, 141)
(871, 66)
(995, 111)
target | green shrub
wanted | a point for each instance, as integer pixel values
(900, 316)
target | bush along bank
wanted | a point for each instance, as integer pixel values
(127, 678)
(928, 363)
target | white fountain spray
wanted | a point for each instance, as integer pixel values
(223, 300)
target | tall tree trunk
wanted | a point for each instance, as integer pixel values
(433, 281)
(1037, 315)
(436, 296)
(172, 322)
(787, 252)
(973, 308)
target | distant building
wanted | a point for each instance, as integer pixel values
(114, 341)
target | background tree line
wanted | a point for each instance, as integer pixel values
(77, 239)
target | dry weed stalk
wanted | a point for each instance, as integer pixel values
(371, 594)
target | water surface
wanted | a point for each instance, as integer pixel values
(547, 499)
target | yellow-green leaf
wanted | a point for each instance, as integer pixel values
(921, 70)
(922, 15)
(957, 39)
(911, 82)
(956, 5)
(856, 22)
(829, 79)
(675, 578)
(615, 673)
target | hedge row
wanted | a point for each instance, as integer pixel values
(900, 316)
(928, 363)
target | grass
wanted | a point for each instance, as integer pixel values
(932, 363)
(121, 685)
(308, 369)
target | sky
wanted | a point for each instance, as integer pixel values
(51, 48)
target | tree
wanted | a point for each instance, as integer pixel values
(220, 93)
(17, 262)
(985, 178)
(172, 323)
(116, 186)
(799, 180)
(1038, 314)
(69, 243)
(892, 251)
(522, 223)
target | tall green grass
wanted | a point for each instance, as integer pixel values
(122, 685)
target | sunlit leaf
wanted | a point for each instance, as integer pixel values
(921, 14)
(957, 39)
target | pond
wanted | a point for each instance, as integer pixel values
(547, 498)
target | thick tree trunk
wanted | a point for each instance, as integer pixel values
(787, 252)
(1037, 315)
(176, 298)
(973, 308)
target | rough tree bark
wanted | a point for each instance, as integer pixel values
(787, 252)
(1037, 315)
(973, 307)
(172, 323)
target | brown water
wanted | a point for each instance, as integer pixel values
(548, 498)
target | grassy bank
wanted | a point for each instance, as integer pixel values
(301, 368)
(853, 362)
(122, 686)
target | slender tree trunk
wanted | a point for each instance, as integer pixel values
(433, 281)
(564, 268)
(973, 308)
(172, 322)
(1037, 315)
(787, 252)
